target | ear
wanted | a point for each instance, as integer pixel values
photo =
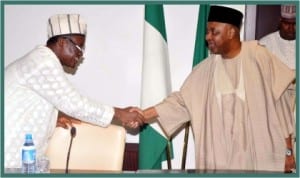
(231, 32)
(60, 46)
(61, 42)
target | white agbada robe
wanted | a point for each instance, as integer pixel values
(285, 50)
(36, 87)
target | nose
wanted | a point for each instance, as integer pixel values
(79, 53)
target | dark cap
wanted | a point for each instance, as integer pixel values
(225, 15)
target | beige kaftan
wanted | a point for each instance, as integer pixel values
(239, 123)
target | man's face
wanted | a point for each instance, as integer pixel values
(217, 36)
(287, 28)
(72, 50)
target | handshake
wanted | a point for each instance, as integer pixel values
(132, 117)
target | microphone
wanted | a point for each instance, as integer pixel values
(73, 134)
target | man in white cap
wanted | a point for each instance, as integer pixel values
(36, 88)
(234, 102)
(282, 43)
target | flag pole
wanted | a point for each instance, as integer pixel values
(185, 144)
(169, 154)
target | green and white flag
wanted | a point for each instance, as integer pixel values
(156, 85)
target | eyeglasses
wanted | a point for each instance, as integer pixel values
(76, 45)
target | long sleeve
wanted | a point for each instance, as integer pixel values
(42, 72)
(172, 113)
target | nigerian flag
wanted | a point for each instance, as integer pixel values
(156, 85)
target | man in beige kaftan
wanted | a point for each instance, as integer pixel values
(234, 102)
(235, 125)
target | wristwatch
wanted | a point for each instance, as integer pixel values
(288, 152)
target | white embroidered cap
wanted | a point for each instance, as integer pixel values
(62, 24)
(288, 11)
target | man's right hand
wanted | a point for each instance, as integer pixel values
(128, 117)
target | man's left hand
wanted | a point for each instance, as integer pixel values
(65, 121)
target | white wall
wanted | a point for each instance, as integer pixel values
(111, 71)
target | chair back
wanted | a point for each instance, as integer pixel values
(93, 148)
